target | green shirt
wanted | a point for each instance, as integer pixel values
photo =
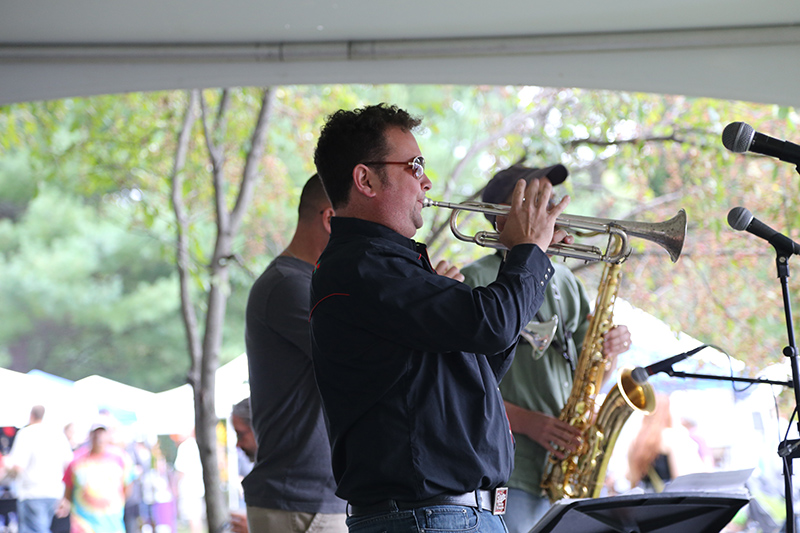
(540, 383)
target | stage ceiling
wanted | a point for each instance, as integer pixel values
(731, 49)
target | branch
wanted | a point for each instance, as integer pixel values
(182, 244)
(679, 135)
(221, 120)
(250, 173)
(509, 124)
(215, 154)
(636, 140)
(656, 202)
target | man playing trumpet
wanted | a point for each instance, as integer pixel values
(418, 429)
(538, 384)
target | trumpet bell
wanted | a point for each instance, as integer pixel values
(669, 234)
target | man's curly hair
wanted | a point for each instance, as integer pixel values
(352, 137)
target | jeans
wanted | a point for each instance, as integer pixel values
(36, 515)
(439, 518)
(524, 510)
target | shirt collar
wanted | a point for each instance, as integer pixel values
(341, 226)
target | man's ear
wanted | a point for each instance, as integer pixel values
(327, 214)
(365, 180)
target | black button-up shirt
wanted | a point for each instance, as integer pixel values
(408, 363)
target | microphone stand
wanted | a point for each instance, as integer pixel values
(788, 449)
(679, 374)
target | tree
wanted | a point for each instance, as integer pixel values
(204, 347)
(84, 290)
(643, 157)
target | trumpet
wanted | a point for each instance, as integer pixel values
(669, 234)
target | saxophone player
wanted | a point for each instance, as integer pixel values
(540, 380)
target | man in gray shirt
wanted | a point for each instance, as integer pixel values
(291, 486)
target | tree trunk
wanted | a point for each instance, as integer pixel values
(205, 356)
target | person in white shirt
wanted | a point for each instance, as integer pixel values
(191, 490)
(39, 455)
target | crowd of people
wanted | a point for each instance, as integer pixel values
(103, 483)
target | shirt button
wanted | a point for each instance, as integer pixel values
(566, 384)
(541, 283)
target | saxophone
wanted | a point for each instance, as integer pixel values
(581, 473)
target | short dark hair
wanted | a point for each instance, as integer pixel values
(242, 410)
(312, 199)
(352, 137)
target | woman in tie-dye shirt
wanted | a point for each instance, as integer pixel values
(96, 483)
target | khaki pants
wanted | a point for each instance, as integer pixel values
(261, 520)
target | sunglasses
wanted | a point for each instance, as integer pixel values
(417, 165)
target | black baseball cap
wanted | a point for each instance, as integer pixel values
(500, 187)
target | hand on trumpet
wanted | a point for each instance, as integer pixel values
(531, 219)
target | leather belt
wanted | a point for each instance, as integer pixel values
(480, 499)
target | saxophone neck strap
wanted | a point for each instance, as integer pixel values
(562, 343)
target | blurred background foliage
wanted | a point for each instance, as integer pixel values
(87, 232)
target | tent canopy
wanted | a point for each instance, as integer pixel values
(733, 49)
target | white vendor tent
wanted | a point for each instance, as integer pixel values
(141, 412)
(174, 413)
(57, 395)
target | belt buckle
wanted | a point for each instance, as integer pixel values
(500, 500)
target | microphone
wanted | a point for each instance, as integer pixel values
(740, 137)
(640, 374)
(741, 219)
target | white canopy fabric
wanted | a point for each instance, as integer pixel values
(61, 401)
(174, 413)
(18, 386)
(731, 49)
(168, 412)
(127, 404)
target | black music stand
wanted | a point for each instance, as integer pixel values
(666, 512)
